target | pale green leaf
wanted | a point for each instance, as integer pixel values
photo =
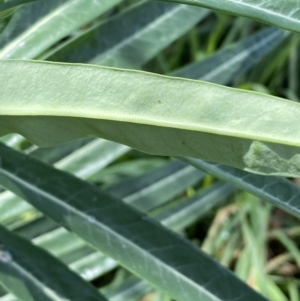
(152, 113)
(281, 13)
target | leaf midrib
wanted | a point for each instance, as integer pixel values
(150, 122)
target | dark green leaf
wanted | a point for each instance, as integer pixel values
(276, 190)
(135, 240)
(32, 274)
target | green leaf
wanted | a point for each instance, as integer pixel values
(281, 13)
(9, 4)
(127, 169)
(140, 244)
(6, 13)
(279, 191)
(157, 187)
(152, 113)
(130, 290)
(91, 264)
(25, 17)
(226, 64)
(84, 162)
(191, 209)
(52, 155)
(53, 20)
(13, 140)
(32, 274)
(145, 192)
(132, 38)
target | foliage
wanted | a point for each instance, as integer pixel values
(80, 205)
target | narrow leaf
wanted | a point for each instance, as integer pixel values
(226, 64)
(281, 13)
(55, 25)
(140, 244)
(131, 38)
(32, 274)
(145, 192)
(279, 191)
(152, 113)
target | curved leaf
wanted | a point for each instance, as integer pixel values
(55, 24)
(177, 218)
(152, 113)
(279, 191)
(130, 39)
(226, 64)
(281, 13)
(25, 17)
(62, 243)
(32, 274)
(130, 237)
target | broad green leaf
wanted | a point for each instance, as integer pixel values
(139, 243)
(281, 13)
(225, 65)
(279, 191)
(55, 25)
(131, 38)
(32, 274)
(152, 113)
